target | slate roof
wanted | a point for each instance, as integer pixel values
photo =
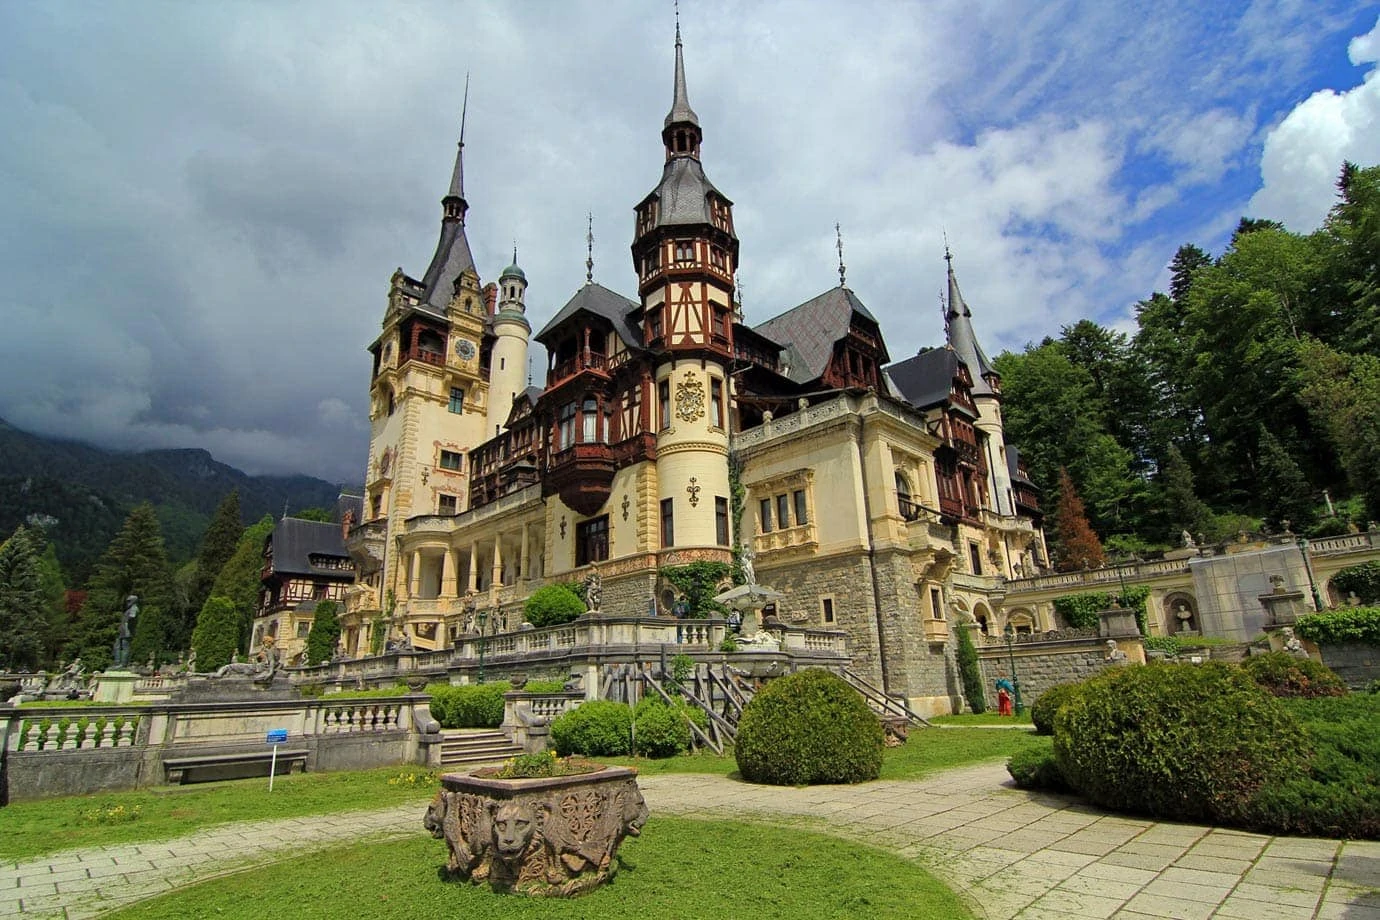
(1013, 466)
(295, 541)
(959, 321)
(452, 255)
(925, 379)
(345, 502)
(680, 104)
(683, 193)
(808, 332)
(600, 301)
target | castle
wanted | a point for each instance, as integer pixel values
(879, 498)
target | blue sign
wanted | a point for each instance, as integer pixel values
(276, 736)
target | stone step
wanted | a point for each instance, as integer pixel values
(471, 747)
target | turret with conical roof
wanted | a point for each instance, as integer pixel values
(958, 325)
(512, 333)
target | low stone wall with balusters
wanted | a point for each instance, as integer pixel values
(67, 750)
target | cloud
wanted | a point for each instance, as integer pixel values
(204, 203)
(1304, 153)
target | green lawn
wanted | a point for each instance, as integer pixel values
(677, 868)
(30, 828)
(986, 718)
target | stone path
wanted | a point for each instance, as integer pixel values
(1013, 855)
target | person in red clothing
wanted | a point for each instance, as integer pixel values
(1004, 689)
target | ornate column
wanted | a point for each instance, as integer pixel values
(474, 568)
(525, 557)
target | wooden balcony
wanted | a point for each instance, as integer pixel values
(582, 475)
(584, 362)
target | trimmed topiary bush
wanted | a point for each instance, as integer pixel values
(1037, 768)
(1286, 675)
(324, 635)
(969, 671)
(553, 605)
(599, 728)
(1179, 741)
(806, 728)
(1047, 704)
(660, 729)
(469, 706)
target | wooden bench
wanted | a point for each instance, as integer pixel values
(201, 768)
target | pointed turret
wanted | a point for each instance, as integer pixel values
(681, 131)
(453, 255)
(958, 322)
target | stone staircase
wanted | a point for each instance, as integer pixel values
(475, 747)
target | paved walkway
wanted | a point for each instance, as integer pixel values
(1011, 854)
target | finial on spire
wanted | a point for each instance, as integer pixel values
(838, 235)
(677, 5)
(589, 249)
(948, 256)
(514, 252)
(457, 176)
(529, 369)
(680, 99)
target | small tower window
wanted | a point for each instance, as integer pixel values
(685, 250)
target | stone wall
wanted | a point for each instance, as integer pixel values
(1041, 665)
(1357, 663)
(847, 579)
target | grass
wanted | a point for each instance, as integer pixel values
(30, 828)
(985, 718)
(677, 868)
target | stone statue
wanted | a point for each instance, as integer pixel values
(1188, 540)
(121, 652)
(594, 589)
(548, 843)
(191, 661)
(1114, 654)
(1184, 616)
(1292, 645)
(749, 573)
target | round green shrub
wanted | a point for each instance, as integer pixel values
(660, 729)
(806, 728)
(1037, 768)
(1179, 741)
(553, 605)
(1286, 675)
(470, 705)
(599, 728)
(1047, 704)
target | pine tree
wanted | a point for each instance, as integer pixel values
(136, 563)
(1283, 488)
(239, 580)
(1179, 499)
(217, 634)
(222, 536)
(325, 633)
(55, 603)
(22, 604)
(1076, 545)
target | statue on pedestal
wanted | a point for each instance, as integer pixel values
(121, 651)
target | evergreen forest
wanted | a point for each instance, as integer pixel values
(1247, 399)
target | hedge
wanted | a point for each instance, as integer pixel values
(1362, 580)
(553, 605)
(1042, 711)
(1346, 624)
(469, 706)
(806, 728)
(1178, 741)
(1286, 675)
(599, 728)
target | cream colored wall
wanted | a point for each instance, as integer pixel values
(692, 454)
(507, 371)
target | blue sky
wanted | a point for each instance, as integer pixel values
(204, 202)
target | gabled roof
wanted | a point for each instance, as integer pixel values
(523, 403)
(810, 330)
(295, 541)
(927, 379)
(599, 301)
(683, 194)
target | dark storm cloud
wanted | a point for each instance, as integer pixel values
(202, 203)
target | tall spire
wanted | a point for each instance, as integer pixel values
(838, 235)
(452, 257)
(680, 104)
(589, 249)
(959, 329)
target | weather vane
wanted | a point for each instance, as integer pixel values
(838, 234)
(589, 249)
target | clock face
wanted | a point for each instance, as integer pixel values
(464, 348)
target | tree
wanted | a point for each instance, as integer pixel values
(239, 581)
(217, 634)
(54, 603)
(1342, 393)
(222, 536)
(23, 616)
(325, 633)
(322, 515)
(1285, 491)
(1076, 545)
(1182, 507)
(135, 563)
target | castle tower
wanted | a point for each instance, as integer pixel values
(508, 360)
(428, 398)
(986, 394)
(685, 254)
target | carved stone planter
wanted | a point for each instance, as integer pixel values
(548, 837)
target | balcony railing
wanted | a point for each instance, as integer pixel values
(914, 511)
(585, 361)
(426, 357)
